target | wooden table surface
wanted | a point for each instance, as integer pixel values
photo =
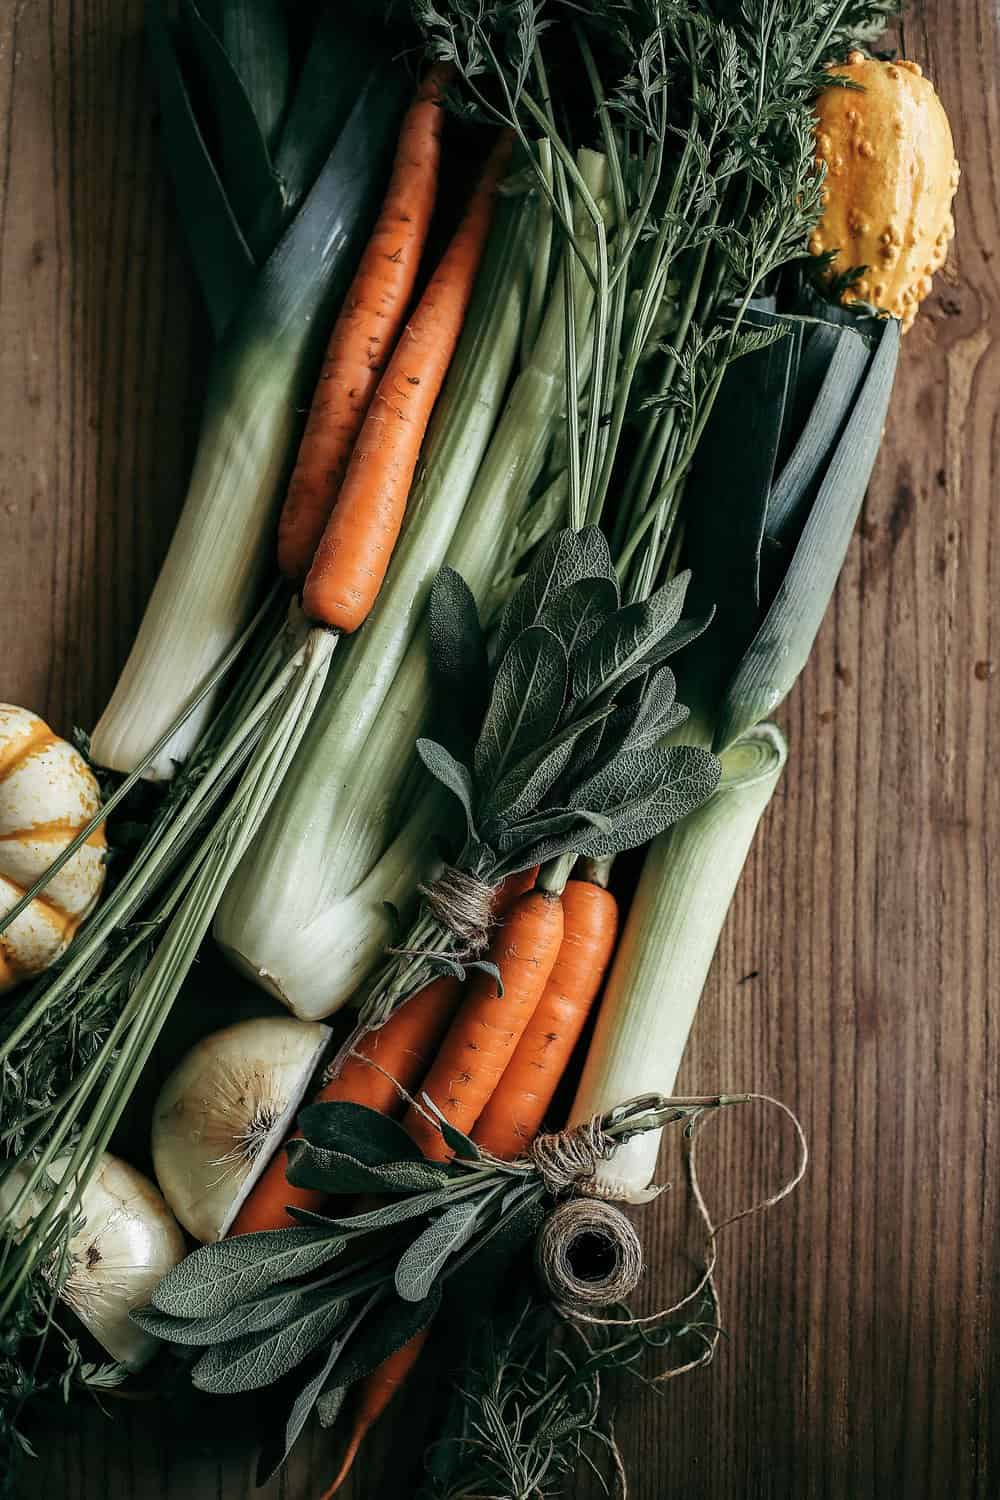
(858, 976)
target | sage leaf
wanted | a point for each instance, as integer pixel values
(576, 614)
(595, 555)
(484, 965)
(453, 1137)
(247, 1364)
(459, 664)
(391, 1324)
(526, 783)
(251, 1317)
(452, 774)
(527, 700)
(687, 777)
(334, 1173)
(277, 1449)
(423, 1260)
(556, 822)
(626, 639)
(557, 564)
(216, 1278)
(354, 1130)
(389, 1214)
(639, 772)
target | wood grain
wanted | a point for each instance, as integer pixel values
(859, 972)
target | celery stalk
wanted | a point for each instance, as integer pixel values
(284, 913)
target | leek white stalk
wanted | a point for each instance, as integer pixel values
(223, 546)
(304, 913)
(127, 1242)
(687, 883)
(223, 1112)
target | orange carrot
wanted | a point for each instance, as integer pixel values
(366, 330)
(402, 1050)
(515, 1113)
(488, 1027)
(375, 1393)
(354, 553)
(467, 1070)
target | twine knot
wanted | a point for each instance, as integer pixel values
(463, 905)
(567, 1160)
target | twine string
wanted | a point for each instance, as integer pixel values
(462, 903)
(706, 1282)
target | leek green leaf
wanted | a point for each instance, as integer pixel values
(334, 63)
(794, 489)
(426, 1256)
(254, 34)
(527, 700)
(258, 1359)
(780, 647)
(216, 1278)
(391, 1325)
(252, 186)
(222, 259)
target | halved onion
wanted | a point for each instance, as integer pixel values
(224, 1110)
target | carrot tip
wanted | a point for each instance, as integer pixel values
(348, 1463)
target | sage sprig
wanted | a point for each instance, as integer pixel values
(322, 1304)
(566, 761)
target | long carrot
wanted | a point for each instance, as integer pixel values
(374, 1395)
(482, 1038)
(468, 1069)
(366, 329)
(354, 553)
(401, 1052)
(515, 1113)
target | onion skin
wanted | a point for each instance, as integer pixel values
(128, 1242)
(226, 1107)
(891, 175)
(47, 794)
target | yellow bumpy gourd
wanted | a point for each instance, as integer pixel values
(891, 175)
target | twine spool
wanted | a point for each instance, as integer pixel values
(588, 1255)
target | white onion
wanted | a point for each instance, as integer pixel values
(129, 1240)
(224, 1110)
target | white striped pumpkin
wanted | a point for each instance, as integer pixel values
(47, 793)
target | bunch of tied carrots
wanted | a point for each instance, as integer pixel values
(543, 401)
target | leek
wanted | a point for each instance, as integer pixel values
(652, 993)
(221, 551)
(786, 461)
